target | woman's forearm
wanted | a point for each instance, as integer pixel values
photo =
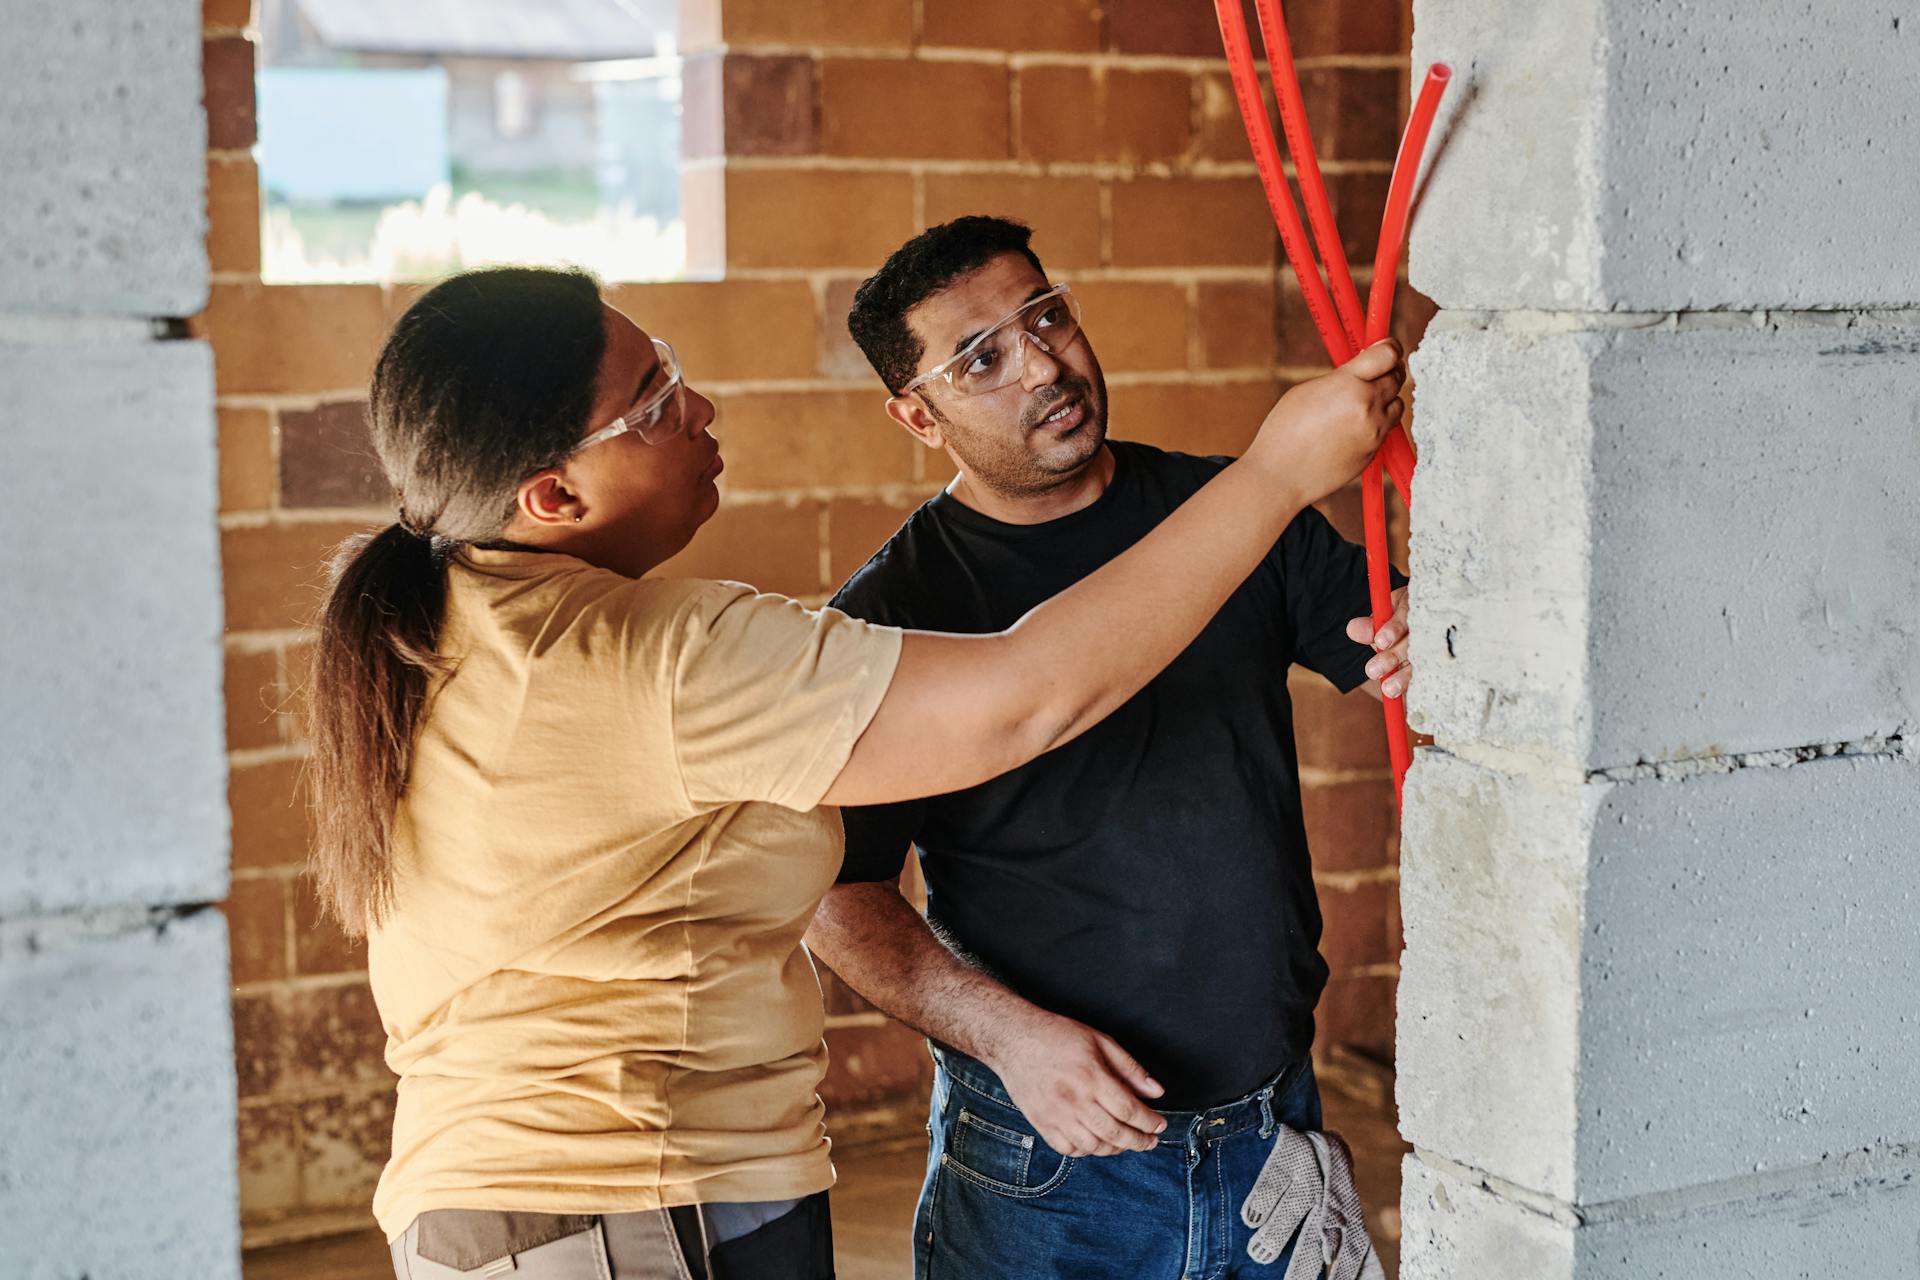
(1078, 656)
(963, 709)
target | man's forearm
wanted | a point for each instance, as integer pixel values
(1083, 1094)
(884, 949)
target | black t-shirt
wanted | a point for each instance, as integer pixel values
(1149, 878)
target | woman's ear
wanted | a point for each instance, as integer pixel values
(919, 420)
(545, 499)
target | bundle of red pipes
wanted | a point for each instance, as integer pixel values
(1343, 328)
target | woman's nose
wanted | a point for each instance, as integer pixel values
(702, 415)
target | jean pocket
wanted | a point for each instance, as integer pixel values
(1003, 1154)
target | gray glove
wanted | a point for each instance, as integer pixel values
(1307, 1186)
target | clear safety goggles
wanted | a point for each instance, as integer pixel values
(999, 356)
(661, 416)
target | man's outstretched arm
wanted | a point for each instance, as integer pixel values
(1079, 1089)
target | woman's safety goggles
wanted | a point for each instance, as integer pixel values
(658, 418)
(999, 356)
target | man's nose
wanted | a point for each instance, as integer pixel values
(1040, 368)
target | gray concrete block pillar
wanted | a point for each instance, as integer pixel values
(116, 1062)
(1661, 993)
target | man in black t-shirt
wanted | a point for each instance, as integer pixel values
(1120, 954)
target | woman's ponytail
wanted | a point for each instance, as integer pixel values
(371, 673)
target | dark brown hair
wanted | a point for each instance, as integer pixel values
(925, 265)
(487, 378)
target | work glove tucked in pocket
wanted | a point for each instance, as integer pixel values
(1306, 1186)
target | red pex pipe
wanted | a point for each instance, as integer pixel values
(1386, 267)
(1273, 180)
(1336, 323)
(1393, 227)
(1393, 241)
(1306, 166)
(1344, 343)
(1373, 514)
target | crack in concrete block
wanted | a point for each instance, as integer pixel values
(1896, 747)
(1851, 1216)
(1541, 323)
(1894, 1164)
(32, 935)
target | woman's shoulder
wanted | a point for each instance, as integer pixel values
(706, 601)
(718, 612)
(546, 583)
(561, 608)
(686, 624)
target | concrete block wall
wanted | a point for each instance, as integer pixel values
(116, 1097)
(1698, 157)
(1563, 462)
(116, 1069)
(817, 137)
(1660, 985)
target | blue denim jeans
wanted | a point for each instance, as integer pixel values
(998, 1202)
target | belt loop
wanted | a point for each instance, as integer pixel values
(942, 1075)
(1266, 1113)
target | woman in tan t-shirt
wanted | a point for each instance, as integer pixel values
(577, 811)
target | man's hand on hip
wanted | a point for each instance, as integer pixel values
(1079, 1089)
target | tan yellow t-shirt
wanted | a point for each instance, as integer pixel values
(592, 983)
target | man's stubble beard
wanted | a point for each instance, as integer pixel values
(1008, 467)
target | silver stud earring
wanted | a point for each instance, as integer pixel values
(578, 519)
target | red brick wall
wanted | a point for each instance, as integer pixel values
(824, 135)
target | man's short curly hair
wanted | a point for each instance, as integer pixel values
(918, 269)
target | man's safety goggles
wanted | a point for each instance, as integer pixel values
(999, 356)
